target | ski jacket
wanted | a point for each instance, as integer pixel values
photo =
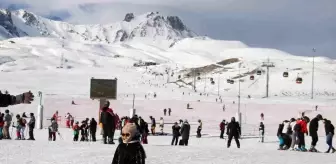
(185, 131)
(130, 153)
(31, 122)
(285, 128)
(7, 99)
(153, 122)
(199, 126)
(302, 125)
(106, 118)
(161, 123)
(76, 129)
(93, 125)
(329, 128)
(292, 124)
(280, 128)
(313, 127)
(176, 130)
(8, 119)
(222, 126)
(2, 123)
(262, 128)
(53, 127)
(233, 129)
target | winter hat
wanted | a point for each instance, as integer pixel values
(129, 130)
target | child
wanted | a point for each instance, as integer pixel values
(18, 127)
(53, 128)
(76, 131)
(130, 150)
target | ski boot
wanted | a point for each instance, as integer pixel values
(333, 150)
(303, 149)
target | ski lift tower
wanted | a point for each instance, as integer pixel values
(267, 64)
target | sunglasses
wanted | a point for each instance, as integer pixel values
(125, 134)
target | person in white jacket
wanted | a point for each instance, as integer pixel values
(294, 134)
(161, 125)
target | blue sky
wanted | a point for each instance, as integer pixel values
(295, 26)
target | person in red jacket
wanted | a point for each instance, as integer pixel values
(302, 130)
(222, 129)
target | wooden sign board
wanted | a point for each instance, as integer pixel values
(103, 89)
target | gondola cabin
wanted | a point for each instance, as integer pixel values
(298, 80)
(188, 75)
(213, 82)
(198, 74)
(258, 72)
(179, 77)
(211, 79)
(228, 81)
(231, 82)
(198, 78)
(251, 77)
(285, 74)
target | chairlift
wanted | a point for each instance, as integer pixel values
(259, 72)
(299, 80)
(285, 74)
(251, 77)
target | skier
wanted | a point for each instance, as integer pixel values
(153, 126)
(169, 111)
(224, 108)
(330, 131)
(222, 129)
(313, 128)
(262, 116)
(164, 112)
(107, 121)
(316, 108)
(8, 122)
(185, 133)
(161, 125)
(53, 128)
(31, 125)
(199, 129)
(233, 131)
(76, 131)
(176, 133)
(130, 151)
(93, 129)
(262, 131)
(72, 120)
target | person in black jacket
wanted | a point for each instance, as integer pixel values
(233, 131)
(107, 121)
(31, 125)
(330, 131)
(93, 129)
(262, 131)
(130, 151)
(7, 99)
(313, 128)
(185, 133)
(176, 133)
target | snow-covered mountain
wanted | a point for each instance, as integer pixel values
(150, 26)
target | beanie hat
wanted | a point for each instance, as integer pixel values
(130, 128)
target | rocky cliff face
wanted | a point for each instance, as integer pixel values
(151, 25)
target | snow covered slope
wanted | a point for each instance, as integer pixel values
(150, 26)
(218, 60)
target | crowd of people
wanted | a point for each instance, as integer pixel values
(291, 133)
